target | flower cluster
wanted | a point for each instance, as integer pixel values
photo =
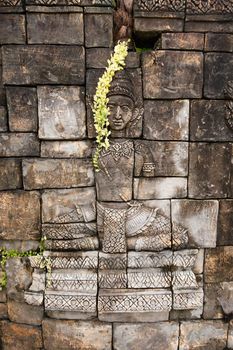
(100, 108)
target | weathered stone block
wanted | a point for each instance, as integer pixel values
(10, 174)
(212, 7)
(3, 311)
(57, 173)
(20, 336)
(219, 42)
(55, 28)
(206, 335)
(98, 30)
(212, 307)
(146, 336)
(160, 188)
(64, 206)
(68, 231)
(174, 9)
(22, 313)
(12, 29)
(22, 108)
(98, 57)
(66, 149)
(230, 336)
(72, 2)
(62, 113)
(183, 41)
(70, 280)
(20, 215)
(73, 260)
(81, 335)
(218, 265)
(144, 27)
(225, 222)
(112, 261)
(127, 305)
(172, 74)
(205, 24)
(170, 158)
(112, 279)
(86, 242)
(166, 120)
(199, 218)
(43, 64)
(18, 145)
(149, 278)
(3, 118)
(207, 178)
(220, 65)
(208, 121)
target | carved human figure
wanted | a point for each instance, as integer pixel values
(126, 224)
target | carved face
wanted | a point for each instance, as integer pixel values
(121, 111)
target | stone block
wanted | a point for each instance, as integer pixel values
(149, 278)
(212, 307)
(3, 118)
(82, 243)
(160, 188)
(98, 30)
(130, 305)
(43, 64)
(81, 335)
(183, 41)
(220, 65)
(68, 231)
(112, 279)
(188, 299)
(170, 158)
(138, 260)
(112, 261)
(20, 336)
(212, 7)
(66, 149)
(3, 311)
(149, 27)
(225, 222)
(146, 336)
(70, 280)
(98, 57)
(174, 9)
(12, 29)
(65, 206)
(206, 335)
(97, 3)
(218, 265)
(209, 23)
(2, 89)
(20, 215)
(166, 120)
(208, 121)
(10, 174)
(57, 173)
(162, 204)
(73, 260)
(18, 145)
(207, 178)
(22, 313)
(230, 336)
(199, 218)
(55, 28)
(62, 113)
(172, 74)
(22, 108)
(219, 42)
(199, 263)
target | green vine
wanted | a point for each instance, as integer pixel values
(100, 108)
(6, 254)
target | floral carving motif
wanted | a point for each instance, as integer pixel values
(158, 5)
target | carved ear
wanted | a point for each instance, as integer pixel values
(229, 114)
(228, 91)
(138, 113)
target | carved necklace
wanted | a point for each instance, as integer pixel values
(118, 150)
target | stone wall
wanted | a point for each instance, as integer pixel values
(52, 54)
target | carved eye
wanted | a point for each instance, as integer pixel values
(125, 108)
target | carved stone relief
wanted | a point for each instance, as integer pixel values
(132, 265)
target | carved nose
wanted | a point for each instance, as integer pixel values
(118, 113)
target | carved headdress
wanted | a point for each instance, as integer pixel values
(122, 85)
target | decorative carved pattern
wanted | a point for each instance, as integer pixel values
(134, 301)
(184, 280)
(68, 231)
(112, 261)
(84, 261)
(118, 150)
(10, 2)
(151, 278)
(34, 298)
(81, 281)
(112, 279)
(74, 2)
(209, 7)
(185, 258)
(156, 243)
(149, 259)
(179, 236)
(161, 5)
(229, 105)
(69, 302)
(89, 243)
(188, 299)
(82, 213)
(114, 231)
